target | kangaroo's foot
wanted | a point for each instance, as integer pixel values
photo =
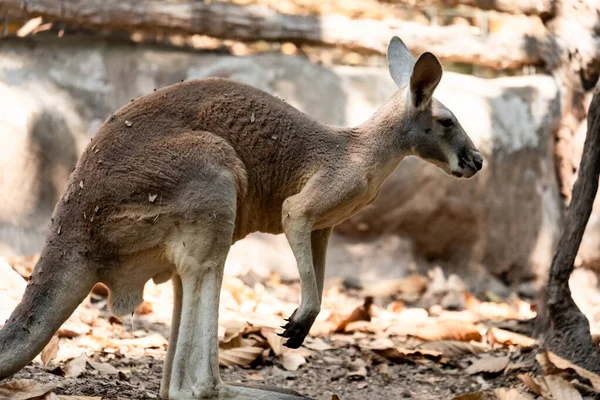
(251, 391)
(297, 328)
(238, 391)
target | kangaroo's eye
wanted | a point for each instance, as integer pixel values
(446, 122)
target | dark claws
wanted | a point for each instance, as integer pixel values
(295, 331)
(293, 344)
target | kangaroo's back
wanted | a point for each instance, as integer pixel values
(271, 147)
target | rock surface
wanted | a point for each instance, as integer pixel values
(55, 95)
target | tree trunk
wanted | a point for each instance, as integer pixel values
(571, 53)
(569, 334)
(512, 48)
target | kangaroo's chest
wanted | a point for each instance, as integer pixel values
(349, 208)
(373, 179)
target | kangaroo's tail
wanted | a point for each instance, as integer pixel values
(57, 286)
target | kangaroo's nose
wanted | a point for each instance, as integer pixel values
(477, 161)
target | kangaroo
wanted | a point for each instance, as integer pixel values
(171, 180)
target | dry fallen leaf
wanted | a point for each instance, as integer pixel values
(152, 341)
(447, 330)
(511, 394)
(452, 348)
(24, 389)
(547, 366)
(463, 316)
(291, 361)
(23, 265)
(50, 351)
(232, 334)
(357, 375)
(475, 396)
(384, 369)
(75, 367)
(254, 376)
(515, 309)
(565, 364)
(362, 326)
(104, 368)
(275, 341)
(399, 354)
(508, 338)
(12, 287)
(531, 383)
(239, 356)
(357, 370)
(361, 313)
(73, 328)
(587, 392)
(144, 308)
(556, 388)
(488, 364)
(395, 306)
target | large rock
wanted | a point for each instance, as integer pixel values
(506, 218)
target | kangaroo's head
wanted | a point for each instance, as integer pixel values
(434, 133)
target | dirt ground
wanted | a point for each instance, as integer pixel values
(320, 378)
(421, 337)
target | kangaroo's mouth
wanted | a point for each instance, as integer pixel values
(468, 166)
(464, 172)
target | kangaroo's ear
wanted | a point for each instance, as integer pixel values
(400, 62)
(425, 77)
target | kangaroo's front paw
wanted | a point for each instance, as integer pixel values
(297, 328)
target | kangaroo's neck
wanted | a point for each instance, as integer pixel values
(385, 138)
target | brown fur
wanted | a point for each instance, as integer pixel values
(172, 179)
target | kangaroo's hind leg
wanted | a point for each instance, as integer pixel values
(198, 250)
(175, 321)
(207, 206)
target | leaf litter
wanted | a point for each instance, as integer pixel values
(358, 344)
